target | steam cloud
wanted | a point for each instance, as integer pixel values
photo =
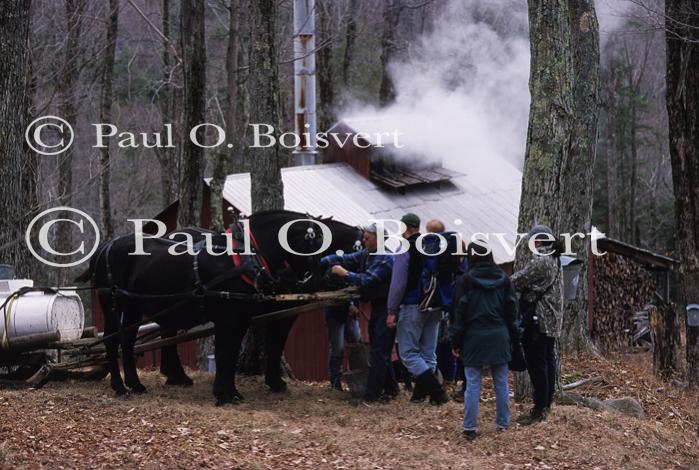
(462, 98)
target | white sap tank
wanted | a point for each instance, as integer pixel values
(39, 312)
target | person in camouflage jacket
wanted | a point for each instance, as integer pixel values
(540, 285)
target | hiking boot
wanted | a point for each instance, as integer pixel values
(536, 415)
(469, 435)
(337, 386)
(419, 394)
(431, 386)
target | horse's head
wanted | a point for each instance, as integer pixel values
(345, 239)
(292, 243)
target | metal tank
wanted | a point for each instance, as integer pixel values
(35, 313)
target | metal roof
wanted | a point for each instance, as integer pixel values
(482, 203)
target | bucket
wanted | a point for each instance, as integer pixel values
(7, 271)
(357, 355)
(211, 367)
(356, 381)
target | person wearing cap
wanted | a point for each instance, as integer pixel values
(540, 286)
(416, 331)
(371, 272)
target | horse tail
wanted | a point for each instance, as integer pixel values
(89, 273)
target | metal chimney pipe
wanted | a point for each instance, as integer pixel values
(305, 82)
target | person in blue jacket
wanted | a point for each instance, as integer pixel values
(371, 272)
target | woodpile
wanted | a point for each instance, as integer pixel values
(621, 288)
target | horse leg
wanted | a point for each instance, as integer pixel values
(227, 340)
(128, 356)
(277, 333)
(111, 344)
(170, 364)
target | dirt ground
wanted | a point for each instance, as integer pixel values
(82, 425)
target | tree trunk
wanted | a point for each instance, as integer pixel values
(18, 177)
(194, 71)
(391, 16)
(263, 81)
(551, 120)
(326, 90)
(267, 191)
(106, 117)
(576, 206)
(68, 78)
(165, 156)
(682, 45)
(350, 36)
(224, 158)
(665, 332)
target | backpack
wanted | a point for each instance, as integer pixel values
(439, 271)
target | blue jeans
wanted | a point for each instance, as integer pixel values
(340, 326)
(417, 339)
(473, 395)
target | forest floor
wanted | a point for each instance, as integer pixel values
(82, 425)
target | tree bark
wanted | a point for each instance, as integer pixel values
(326, 89)
(68, 78)
(18, 177)
(194, 71)
(224, 158)
(263, 82)
(350, 37)
(106, 117)
(391, 17)
(551, 120)
(682, 46)
(266, 183)
(578, 164)
(164, 155)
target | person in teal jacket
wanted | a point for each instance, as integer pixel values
(486, 325)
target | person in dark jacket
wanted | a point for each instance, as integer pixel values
(485, 328)
(540, 285)
(371, 272)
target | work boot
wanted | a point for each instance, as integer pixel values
(418, 394)
(431, 386)
(536, 415)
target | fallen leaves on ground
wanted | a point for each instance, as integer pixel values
(82, 425)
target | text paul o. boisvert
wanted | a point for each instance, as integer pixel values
(262, 136)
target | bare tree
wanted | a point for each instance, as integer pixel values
(106, 116)
(266, 183)
(18, 177)
(263, 87)
(578, 162)
(69, 75)
(223, 158)
(194, 71)
(551, 120)
(391, 17)
(350, 37)
(682, 43)
(326, 89)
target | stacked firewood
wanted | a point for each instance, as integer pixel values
(621, 288)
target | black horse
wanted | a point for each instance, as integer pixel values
(179, 286)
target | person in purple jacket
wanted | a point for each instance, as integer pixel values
(416, 331)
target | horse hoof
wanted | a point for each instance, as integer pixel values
(181, 381)
(120, 392)
(277, 386)
(223, 401)
(138, 389)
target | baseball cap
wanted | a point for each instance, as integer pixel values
(411, 220)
